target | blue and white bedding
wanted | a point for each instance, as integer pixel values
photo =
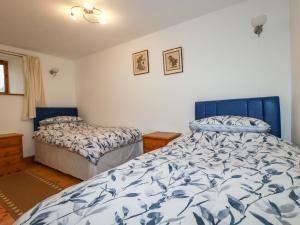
(201, 178)
(89, 141)
(230, 124)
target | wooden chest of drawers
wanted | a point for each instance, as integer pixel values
(11, 153)
(157, 140)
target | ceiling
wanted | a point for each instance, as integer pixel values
(46, 26)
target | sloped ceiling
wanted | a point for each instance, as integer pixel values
(45, 25)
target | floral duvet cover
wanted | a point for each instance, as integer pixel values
(89, 141)
(200, 178)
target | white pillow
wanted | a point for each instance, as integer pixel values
(61, 119)
(233, 124)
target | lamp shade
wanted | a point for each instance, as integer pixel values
(259, 20)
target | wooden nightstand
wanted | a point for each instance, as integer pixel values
(11, 153)
(157, 140)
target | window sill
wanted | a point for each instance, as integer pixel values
(10, 94)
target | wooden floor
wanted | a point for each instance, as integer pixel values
(52, 175)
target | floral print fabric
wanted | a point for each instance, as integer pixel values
(89, 141)
(202, 178)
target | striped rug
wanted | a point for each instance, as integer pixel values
(21, 191)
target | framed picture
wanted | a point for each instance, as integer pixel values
(173, 61)
(140, 62)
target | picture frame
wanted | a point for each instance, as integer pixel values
(173, 62)
(140, 62)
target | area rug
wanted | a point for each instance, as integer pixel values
(21, 191)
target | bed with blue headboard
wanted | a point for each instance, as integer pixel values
(263, 108)
(64, 160)
(203, 177)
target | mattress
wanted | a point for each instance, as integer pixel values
(200, 178)
(74, 164)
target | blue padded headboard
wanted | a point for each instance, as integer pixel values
(47, 112)
(265, 108)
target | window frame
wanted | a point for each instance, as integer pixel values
(6, 77)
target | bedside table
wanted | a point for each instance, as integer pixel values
(157, 140)
(11, 153)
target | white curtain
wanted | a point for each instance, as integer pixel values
(34, 90)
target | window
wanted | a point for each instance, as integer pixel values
(4, 82)
(12, 80)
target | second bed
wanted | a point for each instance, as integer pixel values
(79, 149)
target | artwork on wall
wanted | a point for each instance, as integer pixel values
(173, 61)
(140, 62)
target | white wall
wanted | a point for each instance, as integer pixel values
(59, 91)
(222, 59)
(295, 44)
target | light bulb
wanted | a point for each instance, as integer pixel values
(88, 6)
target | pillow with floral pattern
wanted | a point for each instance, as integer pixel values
(59, 126)
(61, 119)
(233, 124)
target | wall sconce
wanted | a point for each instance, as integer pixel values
(258, 24)
(54, 71)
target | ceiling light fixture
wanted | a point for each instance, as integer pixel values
(90, 13)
